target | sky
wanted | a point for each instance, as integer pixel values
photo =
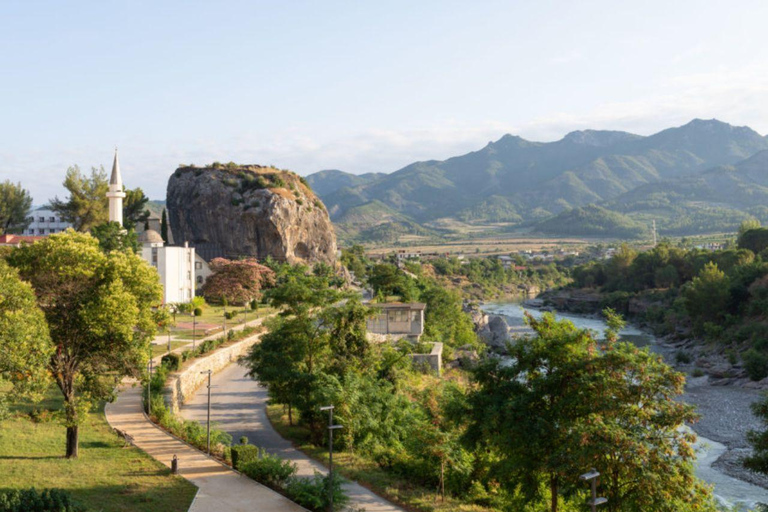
(360, 86)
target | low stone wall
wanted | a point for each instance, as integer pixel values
(181, 386)
(433, 360)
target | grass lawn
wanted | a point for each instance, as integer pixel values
(215, 315)
(105, 478)
(368, 473)
(158, 350)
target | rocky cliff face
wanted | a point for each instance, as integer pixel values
(232, 211)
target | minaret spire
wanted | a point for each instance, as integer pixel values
(116, 194)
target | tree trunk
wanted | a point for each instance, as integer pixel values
(442, 480)
(290, 415)
(72, 442)
(553, 492)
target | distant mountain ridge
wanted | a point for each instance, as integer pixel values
(521, 182)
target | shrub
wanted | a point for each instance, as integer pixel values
(756, 364)
(278, 182)
(698, 372)
(171, 361)
(312, 493)
(198, 311)
(31, 500)
(263, 467)
(682, 357)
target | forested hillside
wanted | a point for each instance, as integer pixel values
(521, 182)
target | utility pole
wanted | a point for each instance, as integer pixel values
(331, 428)
(209, 372)
(654, 232)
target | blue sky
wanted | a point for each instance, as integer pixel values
(358, 86)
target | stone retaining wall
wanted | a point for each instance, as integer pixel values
(181, 386)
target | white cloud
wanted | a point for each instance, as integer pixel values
(736, 96)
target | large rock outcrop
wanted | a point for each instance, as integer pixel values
(233, 211)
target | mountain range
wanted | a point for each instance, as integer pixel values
(703, 176)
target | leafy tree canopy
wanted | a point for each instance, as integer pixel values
(99, 309)
(87, 204)
(114, 237)
(15, 203)
(236, 281)
(25, 345)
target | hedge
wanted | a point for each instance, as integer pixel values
(242, 454)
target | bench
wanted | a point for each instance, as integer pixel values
(126, 436)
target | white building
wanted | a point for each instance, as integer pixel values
(175, 265)
(46, 222)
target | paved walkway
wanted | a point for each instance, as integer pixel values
(221, 489)
(239, 408)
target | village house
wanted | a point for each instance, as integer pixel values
(398, 320)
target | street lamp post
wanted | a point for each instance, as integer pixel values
(194, 328)
(209, 372)
(331, 428)
(591, 477)
(149, 386)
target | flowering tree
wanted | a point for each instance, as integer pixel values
(236, 281)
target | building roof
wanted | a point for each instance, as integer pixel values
(116, 179)
(150, 236)
(9, 239)
(401, 305)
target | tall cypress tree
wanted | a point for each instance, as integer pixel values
(164, 226)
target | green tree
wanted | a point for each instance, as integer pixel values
(758, 461)
(748, 225)
(134, 208)
(706, 296)
(15, 203)
(565, 404)
(756, 240)
(87, 204)
(164, 226)
(114, 237)
(25, 345)
(99, 307)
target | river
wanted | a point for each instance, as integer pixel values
(725, 415)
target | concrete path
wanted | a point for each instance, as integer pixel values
(221, 489)
(239, 408)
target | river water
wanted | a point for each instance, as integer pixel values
(728, 490)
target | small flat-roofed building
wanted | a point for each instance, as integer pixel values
(398, 319)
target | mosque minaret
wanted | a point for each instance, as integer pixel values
(116, 193)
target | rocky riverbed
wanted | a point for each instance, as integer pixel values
(722, 402)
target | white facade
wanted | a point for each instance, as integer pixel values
(45, 222)
(176, 267)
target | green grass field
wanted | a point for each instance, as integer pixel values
(107, 477)
(158, 350)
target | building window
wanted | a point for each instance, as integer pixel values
(51, 219)
(199, 279)
(41, 219)
(42, 231)
(198, 265)
(189, 275)
(154, 256)
(31, 231)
